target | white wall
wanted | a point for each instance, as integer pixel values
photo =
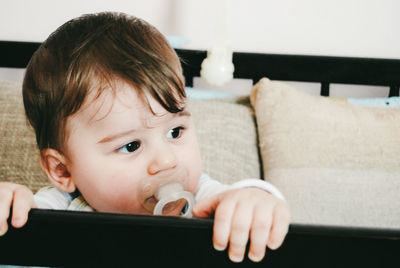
(365, 28)
(358, 28)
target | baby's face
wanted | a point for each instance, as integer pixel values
(120, 152)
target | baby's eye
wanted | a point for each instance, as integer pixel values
(129, 147)
(175, 133)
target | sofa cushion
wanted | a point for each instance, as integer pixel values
(19, 154)
(227, 138)
(337, 163)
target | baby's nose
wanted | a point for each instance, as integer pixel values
(163, 159)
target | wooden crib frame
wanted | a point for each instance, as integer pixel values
(66, 238)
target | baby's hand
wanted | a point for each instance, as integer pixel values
(20, 198)
(242, 214)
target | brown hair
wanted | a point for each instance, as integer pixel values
(91, 50)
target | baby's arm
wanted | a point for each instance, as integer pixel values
(246, 214)
(20, 198)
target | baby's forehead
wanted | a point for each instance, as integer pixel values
(111, 101)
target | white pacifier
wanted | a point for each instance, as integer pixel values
(171, 192)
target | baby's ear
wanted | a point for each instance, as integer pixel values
(55, 165)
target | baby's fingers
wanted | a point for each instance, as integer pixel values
(260, 233)
(241, 223)
(280, 226)
(6, 197)
(23, 202)
(222, 224)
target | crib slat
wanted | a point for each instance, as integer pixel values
(324, 89)
(394, 91)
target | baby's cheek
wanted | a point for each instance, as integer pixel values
(194, 180)
(194, 164)
(122, 202)
(115, 197)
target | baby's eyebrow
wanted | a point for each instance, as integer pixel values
(131, 131)
(182, 113)
(116, 136)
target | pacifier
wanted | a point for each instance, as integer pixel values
(172, 192)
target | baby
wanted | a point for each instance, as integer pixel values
(105, 96)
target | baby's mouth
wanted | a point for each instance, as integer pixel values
(162, 195)
(173, 208)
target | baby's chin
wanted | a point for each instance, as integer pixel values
(122, 209)
(170, 209)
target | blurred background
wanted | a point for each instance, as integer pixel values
(356, 28)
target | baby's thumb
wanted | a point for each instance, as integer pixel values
(206, 207)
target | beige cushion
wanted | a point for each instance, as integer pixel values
(336, 163)
(19, 154)
(226, 133)
(227, 138)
